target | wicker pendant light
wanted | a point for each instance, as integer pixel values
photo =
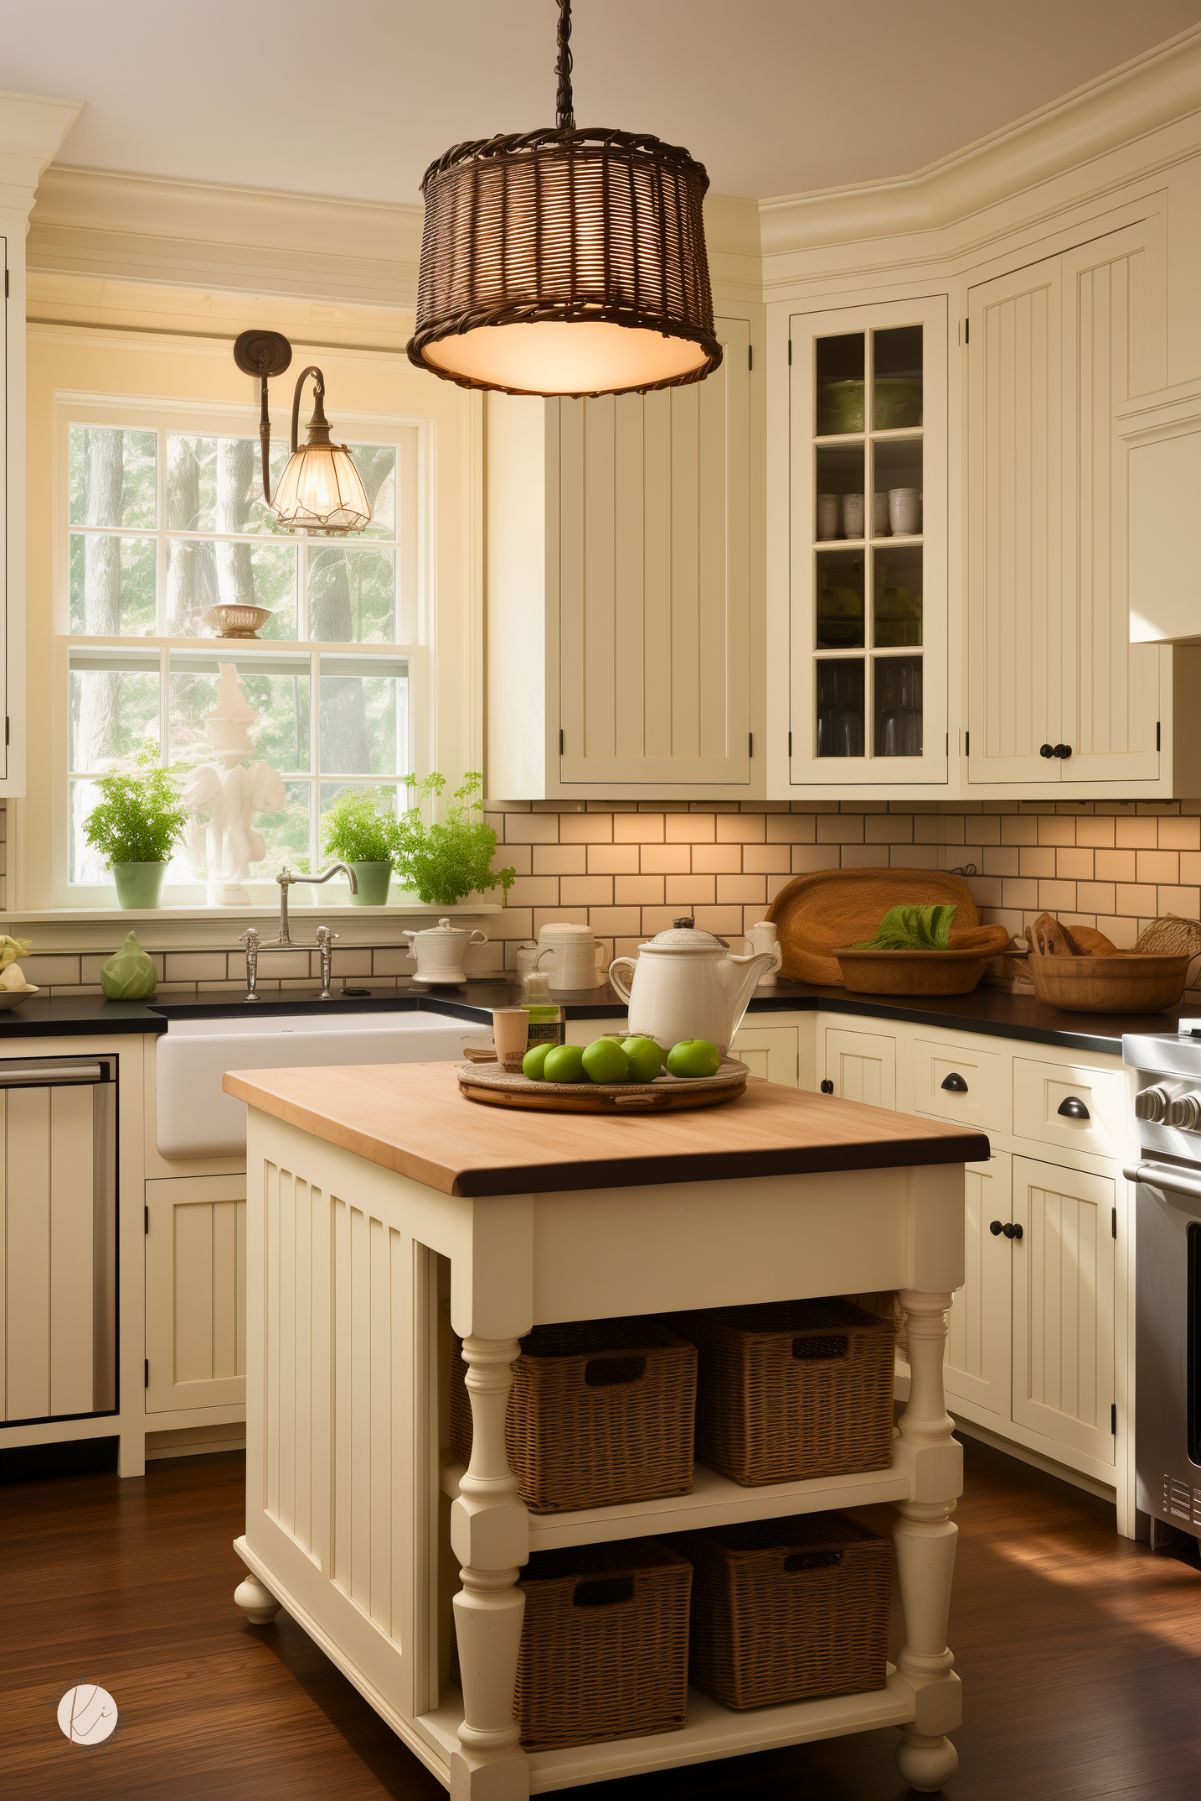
(565, 261)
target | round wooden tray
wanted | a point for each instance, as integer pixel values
(497, 1087)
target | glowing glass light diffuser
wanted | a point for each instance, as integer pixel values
(320, 489)
(565, 261)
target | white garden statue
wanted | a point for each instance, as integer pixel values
(225, 794)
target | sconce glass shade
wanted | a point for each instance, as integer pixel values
(320, 490)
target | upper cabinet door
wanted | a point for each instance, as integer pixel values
(654, 581)
(868, 407)
(1112, 349)
(1056, 691)
(1016, 625)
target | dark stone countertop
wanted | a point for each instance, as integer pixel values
(993, 1011)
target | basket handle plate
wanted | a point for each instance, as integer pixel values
(823, 1347)
(797, 1562)
(603, 1591)
(614, 1370)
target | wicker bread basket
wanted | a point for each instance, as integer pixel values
(600, 1411)
(784, 1610)
(604, 1644)
(792, 1390)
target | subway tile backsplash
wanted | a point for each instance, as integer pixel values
(630, 869)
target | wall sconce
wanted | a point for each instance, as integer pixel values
(320, 490)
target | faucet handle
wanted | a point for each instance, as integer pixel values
(286, 876)
(250, 938)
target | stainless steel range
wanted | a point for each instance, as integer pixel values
(1167, 1426)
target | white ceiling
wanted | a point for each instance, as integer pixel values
(353, 98)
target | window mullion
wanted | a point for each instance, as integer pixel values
(315, 757)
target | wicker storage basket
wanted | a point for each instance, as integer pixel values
(600, 1411)
(792, 1390)
(604, 1644)
(783, 1610)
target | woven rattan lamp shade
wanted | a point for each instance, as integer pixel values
(568, 262)
(565, 261)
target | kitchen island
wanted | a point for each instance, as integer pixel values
(377, 1196)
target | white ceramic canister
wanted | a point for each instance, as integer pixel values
(570, 955)
(764, 937)
(440, 950)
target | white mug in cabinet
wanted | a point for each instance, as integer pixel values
(905, 511)
(828, 513)
(852, 515)
(570, 955)
(764, 937)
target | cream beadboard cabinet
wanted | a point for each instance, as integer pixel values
(1058, 696)
(1039, 1351)
(619, 597)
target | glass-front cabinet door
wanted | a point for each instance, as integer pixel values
(869, 545)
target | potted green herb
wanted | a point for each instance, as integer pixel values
(444, 860)
(136, 825)
(360, 831)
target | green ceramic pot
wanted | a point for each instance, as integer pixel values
(139, 884)
(373, 881)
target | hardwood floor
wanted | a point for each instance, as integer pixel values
(1081, 1656)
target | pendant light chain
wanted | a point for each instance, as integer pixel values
(563, 99)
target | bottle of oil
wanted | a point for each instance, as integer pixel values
(546, 1016)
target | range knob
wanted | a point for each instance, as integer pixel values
(1185, 1112)
(1152, 1104)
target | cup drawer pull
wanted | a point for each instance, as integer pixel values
(954, 1083)
(1073, 1108)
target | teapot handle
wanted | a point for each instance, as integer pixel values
(478, 937)
(621, 987)
(409, 937)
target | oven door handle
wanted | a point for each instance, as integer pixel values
(1167, 1177)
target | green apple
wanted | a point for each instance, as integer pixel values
(605, 1061)
(534, 1061)
(564, 1063)
(645, 1058)
(693, 1057)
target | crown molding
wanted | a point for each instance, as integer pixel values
(134, 227)
(1134, 101)
(32, 129)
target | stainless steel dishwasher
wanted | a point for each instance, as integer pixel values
(58, 1210)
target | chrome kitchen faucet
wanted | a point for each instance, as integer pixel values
(324, 937)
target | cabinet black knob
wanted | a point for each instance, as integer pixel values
(954, 1082)
(1011, 1231)
(1046, 750)
(1073, 1108)
(995, 1227)
(1063, 750)
(827, 1086)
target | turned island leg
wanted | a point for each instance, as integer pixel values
(925, 1537)
(489, 1532)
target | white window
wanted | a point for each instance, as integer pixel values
(146, 509)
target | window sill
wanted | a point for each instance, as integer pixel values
(195, 927)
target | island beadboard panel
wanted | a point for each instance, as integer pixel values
(629, 870)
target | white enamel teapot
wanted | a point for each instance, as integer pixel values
(440, 950)
(686, 984)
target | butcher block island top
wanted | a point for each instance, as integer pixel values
(411, 1118)
(392, 1226)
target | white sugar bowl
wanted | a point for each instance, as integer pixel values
(440, 950)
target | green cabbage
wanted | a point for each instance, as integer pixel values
(913, 929)
(129, 974)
